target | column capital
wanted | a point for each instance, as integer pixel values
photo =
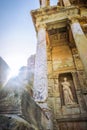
(40, 26)
(73, 19)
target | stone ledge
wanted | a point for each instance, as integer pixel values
(73, 118)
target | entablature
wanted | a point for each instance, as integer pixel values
(53, 14)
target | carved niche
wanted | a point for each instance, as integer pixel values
(67, 89)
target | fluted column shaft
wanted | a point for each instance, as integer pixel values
(81, 42)
(40, 75)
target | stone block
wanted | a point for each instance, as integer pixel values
(49, 64)
(49, 57)
(56, 81)
(82, 102)
(51, 82)
(75, 111)
(66, 111)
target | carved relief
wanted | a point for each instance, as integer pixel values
(83, 80)
(77, 60)
(67, 89)
(63, 36)
(83, 20)
(58, 35)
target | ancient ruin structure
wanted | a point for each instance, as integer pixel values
(60, 73)
(60, 78)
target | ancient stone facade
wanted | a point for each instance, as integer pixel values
(65, 43)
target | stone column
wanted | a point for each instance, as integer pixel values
(44, 3)
(81, 42)
(40, 75)
(66, 3)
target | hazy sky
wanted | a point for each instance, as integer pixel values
(17, 33)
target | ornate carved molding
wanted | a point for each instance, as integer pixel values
(39, 26)
(83, 19)
(78, 18)
(53, 14)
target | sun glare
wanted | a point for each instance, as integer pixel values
(15, 63)
(13, 73)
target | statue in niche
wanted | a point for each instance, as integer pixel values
(68, 97)
(67, 89)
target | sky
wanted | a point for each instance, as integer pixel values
(17, 33)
